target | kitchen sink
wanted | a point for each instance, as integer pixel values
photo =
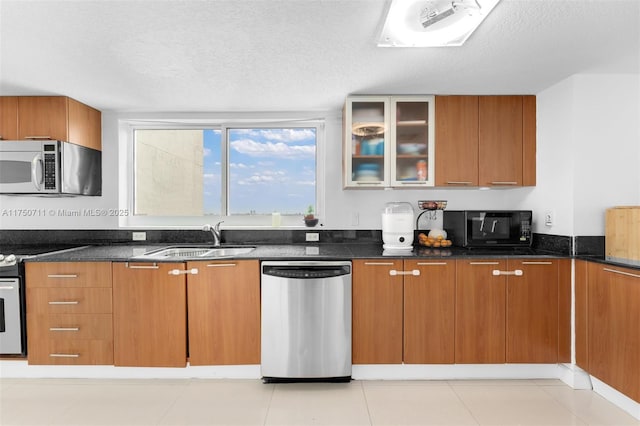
(197, 252)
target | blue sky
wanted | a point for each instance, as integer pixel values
(270, 170)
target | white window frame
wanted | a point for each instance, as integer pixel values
(127, 128)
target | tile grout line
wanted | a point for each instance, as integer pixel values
(366, 402)
(173, 403)
(565, 406)
(463, 403)
(266, 415)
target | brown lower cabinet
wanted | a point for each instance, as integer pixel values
(149, 315)
(224, 312)
(613, 335)
(401, 317)
(69, 313)
(581, 313)
(480, 312)
(507, 311)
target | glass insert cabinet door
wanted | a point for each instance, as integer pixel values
(388, 141)
(412, 133)
(366, 139)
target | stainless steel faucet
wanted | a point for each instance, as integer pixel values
(215, 232)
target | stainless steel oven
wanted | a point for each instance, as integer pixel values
(12, 307)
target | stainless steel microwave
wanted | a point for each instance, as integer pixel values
(49, 168)
(488, 228)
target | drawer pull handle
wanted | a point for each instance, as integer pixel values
(629, 274)
(62, 276)
(154, 266)
(64, 355)
(432, 263)
(62, 302)
(453, 182)
(414, 272)
(484, 263)
(504, 183)
(220, 265)
(537, 263)
(64, 328)
(517, 272)
(38, 137)
(378, 263)
(193, 271)
(7, 287)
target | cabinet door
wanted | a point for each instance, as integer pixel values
(480, 312)
(581, 314)
(500, 141)
(149, 315)
(412, 141)
(532, 311)
(456, 133)
(85, 125)
(43, 117)
(224, 313)
(529, 120)
(377, 312)
(614, 338)
(429, 312)
(8, 117)
(366, 142)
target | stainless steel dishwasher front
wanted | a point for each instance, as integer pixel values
(306, 321)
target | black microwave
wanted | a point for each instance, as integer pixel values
(488, 228)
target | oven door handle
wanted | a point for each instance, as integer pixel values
(36, 164)
(3, 322)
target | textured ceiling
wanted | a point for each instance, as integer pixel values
(293, 55)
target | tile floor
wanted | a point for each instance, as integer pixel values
(250, 402)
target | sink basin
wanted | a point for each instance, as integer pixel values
(196, 252)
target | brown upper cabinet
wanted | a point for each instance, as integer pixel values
(8, 117)
(485, 141)
(50, 117)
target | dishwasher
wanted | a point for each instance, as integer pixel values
(306, 321)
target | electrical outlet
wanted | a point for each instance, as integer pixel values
(312, 236)
(139, 236)
(549, 218)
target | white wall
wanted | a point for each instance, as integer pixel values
(588, 153)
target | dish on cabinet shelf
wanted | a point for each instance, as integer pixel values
(367, 129)
(411, 148)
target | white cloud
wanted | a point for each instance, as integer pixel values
(270, 149)
(281, 135)
(239, 166)
(206, 152)
(268, 176)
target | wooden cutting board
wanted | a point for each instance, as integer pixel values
(622, 233)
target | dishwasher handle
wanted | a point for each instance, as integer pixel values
(306, 272)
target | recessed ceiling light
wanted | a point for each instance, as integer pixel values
(431, 23)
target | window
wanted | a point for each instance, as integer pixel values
(240, 174)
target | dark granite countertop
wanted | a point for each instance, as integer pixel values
(333, 251)
(130, 252)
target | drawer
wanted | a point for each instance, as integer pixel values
(72, 352)
(68, 274)
(69, 300)
(70, 327)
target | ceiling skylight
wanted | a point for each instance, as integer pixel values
(431, 23)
